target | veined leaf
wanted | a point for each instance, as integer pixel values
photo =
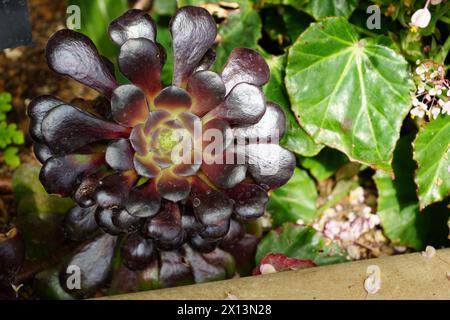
(325, 164)
(300, 243)
(295, 200)
(350, 94)
(295, 138)
(331, 8)
(398, 206)
(432, 152)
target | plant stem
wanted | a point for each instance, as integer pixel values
(444, 52)
(143, 5)
(445, 19)
(365, 31)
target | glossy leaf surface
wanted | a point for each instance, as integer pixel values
(348, 93)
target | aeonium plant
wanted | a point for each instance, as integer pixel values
(182, 165)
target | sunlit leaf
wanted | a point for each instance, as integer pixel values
(398, 205)
(295, 138)
(294, 201)
(331, 8)
(301, 243)
(432, 154)
(348, 93)
(325, 164)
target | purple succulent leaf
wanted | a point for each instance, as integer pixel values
(245, 105)
(114, 189)
(67, 128)
(245, 65)
(132, 24)
(75, 55)
(244, 252)
(124, 221)
(235, 233)
(207, 61)
(37, 110)
(62, 175)
(137, 253)
(173, 98)
(216, 231)
(129, 105)
(174, 270)
(84, 195)
(42, 152)
(270, 128)
(214, 130)
(103, 217)
(155, 118)
(193, 32)
(191, 122)
(249, 200)
(166, 225)
(203, 270)
(172, 187)
(109, 64)
(144, 201)
(140, 61)
(79, 223)
(186, 170)
(171, 245)
(138, 140)
(119, 155)
(162, 53)
(212, 208)
(270, 164)
(226, 170)
(12, 257)
(202, 245)
(207, 90)
(146, 166)
(189, 222)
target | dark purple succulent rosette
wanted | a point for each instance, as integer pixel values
(114, 158)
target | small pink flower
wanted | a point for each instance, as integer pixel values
(421, 18)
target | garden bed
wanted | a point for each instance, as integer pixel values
(364, 171)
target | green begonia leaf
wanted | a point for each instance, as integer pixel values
(325, 164)
(398, 205)
(295, 138)
(432, 153)
(295, 200)
(350, 94)
(301, 243)
(331, 8)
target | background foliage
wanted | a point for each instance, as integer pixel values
(10, 136)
